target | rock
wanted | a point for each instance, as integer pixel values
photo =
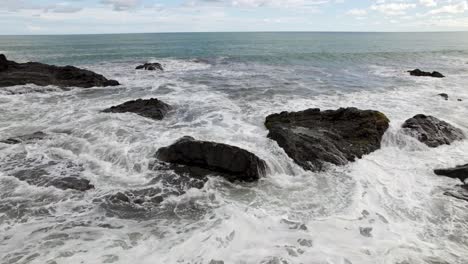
(216, 261)
(12, 73)
(231, 162)
(150, 108)
(150, 67)
(459, 100)
(419, 73)
(432, 131)
(313, 137)
(459, 172)
(41, 177)
(460, 193)
(444, 95)
(365, 231)
(25, 138)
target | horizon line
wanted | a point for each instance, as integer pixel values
(204, 32)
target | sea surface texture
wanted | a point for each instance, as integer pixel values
(388, 207)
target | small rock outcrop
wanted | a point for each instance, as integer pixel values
(25, 138)
(313, 137)
(432, 131)
(459, 172)
(420, 73)
(12, 73)
(150, 108)
(150, 67)
(233, 163)
(461, 192)
(444, 95)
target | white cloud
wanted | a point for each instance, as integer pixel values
(357, 12)
(428, 3)
(392, 8)
(457, 8)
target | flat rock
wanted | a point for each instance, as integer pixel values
(419, 73)
(150, 108)
(25, 138)
(432, 131)
(313, 137)
(150, 67)
(459, 172)
(12, 73)
(231, 162)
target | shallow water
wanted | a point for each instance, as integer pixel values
(388, 207)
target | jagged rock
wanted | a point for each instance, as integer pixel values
(459, 172)
(444, 95)
(313, 137)
(25, 138)
(150, 67)
(231, 162)
(432, 131)
(150, 108)
(420, 73)
(12, 73)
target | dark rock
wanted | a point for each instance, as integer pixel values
(313, 137)
(232, 162)
(216, 261)
(73, 183)
(459, 172)
(150, 67)
(420, 73)
(365, 231)
(459, 100)
(444, 95)
(25, 138)
(12, 73)
(150, 108)
(432, 131)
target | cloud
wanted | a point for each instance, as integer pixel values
(121, 5)
(458, 8)
(392, 8)
(357, 12)
(428, 3)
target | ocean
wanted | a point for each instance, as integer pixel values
(222, 86)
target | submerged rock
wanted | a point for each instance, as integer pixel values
(41, 177)
(461, 193)
(420, 73)
(12, 73)
(25, 138)
(150, 67)
(231, 162)
(459, 172)
(432, 131)
(313, 137)
(150, 108)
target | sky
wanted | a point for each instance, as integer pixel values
(25, 17)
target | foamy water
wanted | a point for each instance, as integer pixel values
(388, 207)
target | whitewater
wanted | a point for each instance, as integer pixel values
(388, 207)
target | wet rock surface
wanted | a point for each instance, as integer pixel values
(432, 131)
(25, 138)
(314, 137)
(150, 67)
(419, 73)
(150, 108)
(459, 172)
(12, 73)
(233, 163)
